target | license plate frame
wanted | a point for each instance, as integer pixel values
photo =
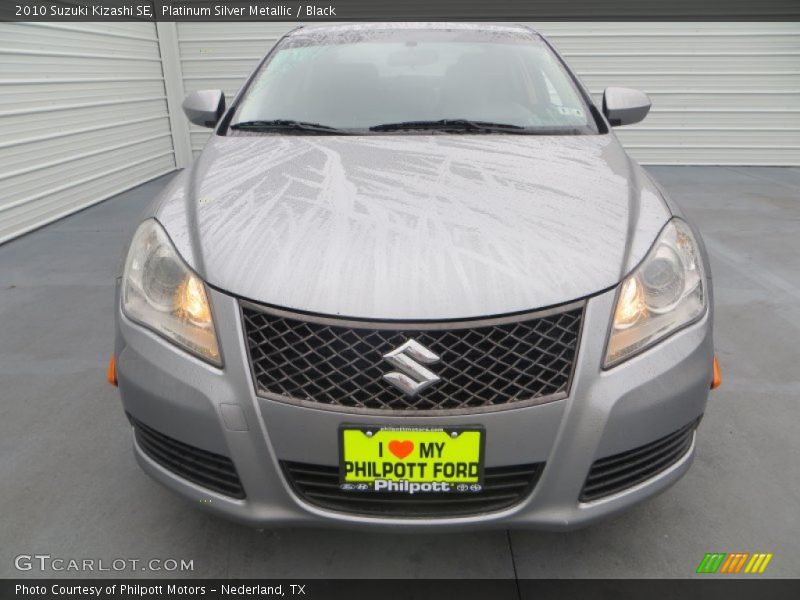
(453, 443)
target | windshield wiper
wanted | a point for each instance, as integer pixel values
(287, 125)
(463, 125)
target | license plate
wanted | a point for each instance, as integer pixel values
(410, 460)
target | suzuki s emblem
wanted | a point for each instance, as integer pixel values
(413, 376)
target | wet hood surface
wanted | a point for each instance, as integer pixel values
(412, 227)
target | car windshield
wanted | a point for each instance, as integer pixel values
(413, 81)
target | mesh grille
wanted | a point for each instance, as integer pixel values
(481, 367)
(621, 471)
(502, 487)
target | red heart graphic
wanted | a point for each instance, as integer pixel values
(401, 449)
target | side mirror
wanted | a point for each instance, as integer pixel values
(625, 106)
(204, 107)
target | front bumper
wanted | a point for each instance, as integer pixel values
(606, 413)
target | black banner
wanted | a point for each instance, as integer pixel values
(399, 10)
(713, 588)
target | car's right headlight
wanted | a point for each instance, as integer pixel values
(160, 292)
(665, 292)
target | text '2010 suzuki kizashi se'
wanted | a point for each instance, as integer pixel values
(414, 280)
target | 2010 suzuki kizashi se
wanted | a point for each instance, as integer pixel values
(413, 280)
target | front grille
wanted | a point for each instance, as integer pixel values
(621, 471)
(204, 468)
(502, 487)
(482, 367)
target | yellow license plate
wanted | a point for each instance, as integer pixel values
(411, 459)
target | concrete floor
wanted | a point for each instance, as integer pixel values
(70, 486)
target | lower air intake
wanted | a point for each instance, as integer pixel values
(204, 468)
(503, 487)
(621, 471)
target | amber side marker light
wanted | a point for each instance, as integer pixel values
(111, 374)
(717, 381)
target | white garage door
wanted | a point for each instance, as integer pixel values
(723, 93)
(83, 116)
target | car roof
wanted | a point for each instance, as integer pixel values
(344, 28)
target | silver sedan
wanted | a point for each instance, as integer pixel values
(414, 280)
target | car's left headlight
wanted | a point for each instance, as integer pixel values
(666, 292)
(160, 292)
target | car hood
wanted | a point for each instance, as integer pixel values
(412, 227)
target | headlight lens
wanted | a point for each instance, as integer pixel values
(160, 292)
(664, 293)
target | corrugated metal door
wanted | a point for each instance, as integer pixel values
(83, 116)
(723, 93)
